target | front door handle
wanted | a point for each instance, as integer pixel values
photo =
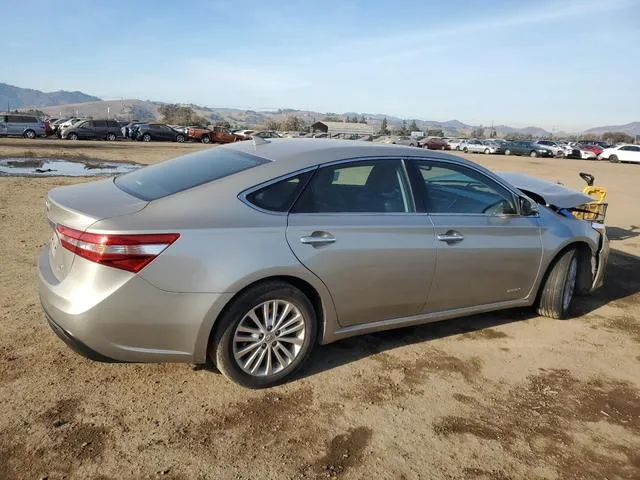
(451, 237)
(318, 239)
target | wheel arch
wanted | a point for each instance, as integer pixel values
(322, 306)
(585, 253)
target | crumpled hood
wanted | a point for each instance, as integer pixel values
(553, 193)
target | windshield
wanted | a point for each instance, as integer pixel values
(182, 173)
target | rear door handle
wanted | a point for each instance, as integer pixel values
(451, 237)
(318, 239)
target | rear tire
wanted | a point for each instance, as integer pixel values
(205, 139)
(486, 151)
(30, 134)
(533, 154)
(507, 152)
(465, 150)
(111, 137)
(221, 348)
(556, 295)
(614, 159)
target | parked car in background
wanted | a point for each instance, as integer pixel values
(147, 132)
(529, 148)
(454, 143)
(69, 122)
(578, 152)
(493, 146)
(475, 146)
(407, 141)
(20, 125)
(169, 262)
(435, 143)
(557, 149)
(199, 134)
(93, 130)
(127, 129)
(593, 147)
(622, 153)
(216, 135)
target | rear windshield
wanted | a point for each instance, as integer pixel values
(182, 173)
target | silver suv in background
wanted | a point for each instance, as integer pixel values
(20, 125)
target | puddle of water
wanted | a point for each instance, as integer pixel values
(50, 167)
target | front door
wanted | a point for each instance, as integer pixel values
(486, 252)
(356, 228)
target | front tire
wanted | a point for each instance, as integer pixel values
(614, 159)
(30, 134)
(265, 335)
(507, 152)
(111, 137)
(72, 136)
(465, 150)
(533, 154)
(486, 151)
(559, 287)
(205, 139)
(180, 139)
(146, 137)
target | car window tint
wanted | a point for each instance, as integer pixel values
(99, 123)
(453, 189)
(188, 171)
(374, 186)
(279, 196)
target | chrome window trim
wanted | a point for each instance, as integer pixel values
(242, 196)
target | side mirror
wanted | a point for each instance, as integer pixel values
(527, 208)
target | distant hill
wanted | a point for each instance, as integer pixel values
(17, 97)
(504, 130)
(632, 128)
(63, 103)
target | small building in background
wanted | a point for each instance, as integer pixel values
(342, 129)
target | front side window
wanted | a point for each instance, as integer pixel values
(454, 189)
(371, 186)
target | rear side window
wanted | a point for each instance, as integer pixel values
(99, 123)
(182, 173)
(279, 196)
(371, 186)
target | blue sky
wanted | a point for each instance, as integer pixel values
(559, 64)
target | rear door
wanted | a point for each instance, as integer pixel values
(355, 226)
(487, 252)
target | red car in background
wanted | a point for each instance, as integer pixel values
(435, 144)
(597, 149)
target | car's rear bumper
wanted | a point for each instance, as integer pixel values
(112, 315)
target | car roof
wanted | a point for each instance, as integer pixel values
(296, 153)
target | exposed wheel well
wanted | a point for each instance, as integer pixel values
(585, 274)
(305, 287)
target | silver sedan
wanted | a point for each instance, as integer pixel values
(250, 254)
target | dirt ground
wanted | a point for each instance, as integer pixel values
(506, 395)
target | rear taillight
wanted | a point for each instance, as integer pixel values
(126, 252)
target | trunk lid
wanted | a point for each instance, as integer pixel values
(79, 207)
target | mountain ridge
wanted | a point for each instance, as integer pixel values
(67, 103)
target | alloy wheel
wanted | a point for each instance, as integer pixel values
(269, 338)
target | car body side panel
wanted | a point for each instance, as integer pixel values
(380, 266)
(498, 260)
